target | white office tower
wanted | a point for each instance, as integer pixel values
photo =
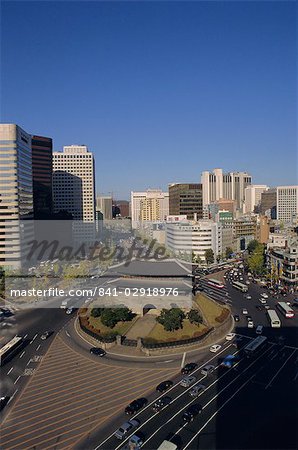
(149, 206)
(74, 186)
(252, 196)
(217, 185)
(287, 204)
(194, 237)
(104, 204)
(16, 194)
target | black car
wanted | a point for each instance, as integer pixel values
(46, 335)
(188, 368)
(162, 387)
(135, 406)
(98, 351)
(161, 403)
(236, 318)
(3, 402)
(248, 318)
(192, 412)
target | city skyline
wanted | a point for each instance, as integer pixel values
(213, 86)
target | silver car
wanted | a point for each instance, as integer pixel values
(196, 390)
(188, 381)
(125, 428)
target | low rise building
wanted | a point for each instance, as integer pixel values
(283, 262)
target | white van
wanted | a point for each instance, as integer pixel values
(167, 445)
(64, 304)
(259, 329)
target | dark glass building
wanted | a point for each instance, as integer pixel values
(186, 199)
(42, 148)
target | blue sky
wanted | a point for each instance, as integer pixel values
(159, 91)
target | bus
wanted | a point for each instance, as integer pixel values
(273, 318)
(242, 287)
(255, 345)
(215, 283)
(9, 349)
(285, 309)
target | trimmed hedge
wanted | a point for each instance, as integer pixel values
(104, 338)
(149, 344)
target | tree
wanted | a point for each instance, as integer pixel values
(217, 258)
(196, 258)
(111, 316)
(194, 316)
(171, 319)
(252, 246)
(229, 252)
(209, 256)
(96, 312)
(256, 260)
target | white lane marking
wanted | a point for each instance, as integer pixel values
(273, 378)
(173, 387)
(28, 362)
(67, 333)
(183, 360)
(213, 415)
(185, 406)
(295, 377)
(22, 354)
(38, 347)
(12, 396)
(25, 336)
(17, 379)
(164, 362)
(33, 339)
(10, 370)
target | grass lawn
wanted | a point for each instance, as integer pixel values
(121, 327)
(188, 330)
(209, 308)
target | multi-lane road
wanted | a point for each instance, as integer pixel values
(63, 397)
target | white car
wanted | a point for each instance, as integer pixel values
(244, 311)
(250, 324)
(215, 348)
(263, 301)
(248, 297)
(264, 295)
(247, 282)
(230, 336)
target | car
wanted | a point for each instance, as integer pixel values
(161, 403)
(267, 306)
(69, 310)
(135, 441)
(230, 336)
(191, 412)
(264, 295)
(3, 402)
(46, 335)
(162, 387)
(260, 307)
(126, 427)
(263, 301)
(188, 368)
(208, 369)
(196, 390)
(135, 406)
(248, 297)
(188, 381)
(259, 329)
(250, 324)
(244, 311)
(247, 282)
(215, 348)
(236, 317)
(98, 351)
(248, 318)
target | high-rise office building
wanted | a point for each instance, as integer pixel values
(268, 202)
(252, 196)
(186, 199)
(287, 204)
(16, 194)
(74, 187)
(151, 205)
(104, 203)
(42, 171)
(230, 186)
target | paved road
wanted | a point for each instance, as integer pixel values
(236, 404)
